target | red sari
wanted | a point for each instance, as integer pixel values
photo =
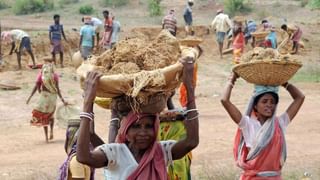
(269, 159)
(238, 47)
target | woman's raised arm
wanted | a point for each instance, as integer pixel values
(298, 98)
(94, 158)
(182, 147)
(232, 110)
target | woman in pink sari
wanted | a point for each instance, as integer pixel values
(137, 154)
(260, 148)
(238, 42)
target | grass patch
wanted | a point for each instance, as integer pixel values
(86, 9)
(21, 7)
(234, 7)
(115, 3)
(209, 172)
(308, 73)
(314, 4)
(154, 8)
(4, 4)
(62, 3)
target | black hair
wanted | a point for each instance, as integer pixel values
(56, 16)
(190, 3)
(264, 21)
(274, 95)
(82, 19)
(105, 12)
(284, 27)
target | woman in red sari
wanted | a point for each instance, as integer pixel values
(260, 148)
(238, 42)
(137, 154)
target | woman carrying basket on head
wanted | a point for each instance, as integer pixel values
(137, 154)
(260, 147)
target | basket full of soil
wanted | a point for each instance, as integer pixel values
(138, 68)
(266, 67)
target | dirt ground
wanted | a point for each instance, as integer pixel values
(25, 155)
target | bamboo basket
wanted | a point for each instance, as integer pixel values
(190, 42)
(260, 35)
(273, 73)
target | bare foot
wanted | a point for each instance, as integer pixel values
(51, 136)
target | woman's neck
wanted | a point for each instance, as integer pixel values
(262, 119)
(137, 154)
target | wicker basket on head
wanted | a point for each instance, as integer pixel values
(190, 42)
(260, 35)
(273, 73)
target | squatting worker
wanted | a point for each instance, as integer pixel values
(295, 34)
(19, 40)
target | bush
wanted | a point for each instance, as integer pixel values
(234, 6)
(314, 4)
(154, 8)
(32, 6)
(86, 9)
(115, 3)
(3, 5)
(303, 3)
(62, 3)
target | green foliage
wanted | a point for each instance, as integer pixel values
(86, 9)
(3, 5)
(154, 8)
(235, 6)
(115, 3)
(304, 3)
(62, 3)
(314, 4)
(32, 6)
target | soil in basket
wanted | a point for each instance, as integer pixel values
(136, 54)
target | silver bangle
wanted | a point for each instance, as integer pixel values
(117, 120)
(189, 110)
(193, 118)
(86, 115)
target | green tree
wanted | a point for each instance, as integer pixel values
(314, 4)
(154, 7)
(235, 6)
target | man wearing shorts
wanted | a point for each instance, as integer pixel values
(55, 32)
(187, 16)
(221, 24)
(87, 33)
